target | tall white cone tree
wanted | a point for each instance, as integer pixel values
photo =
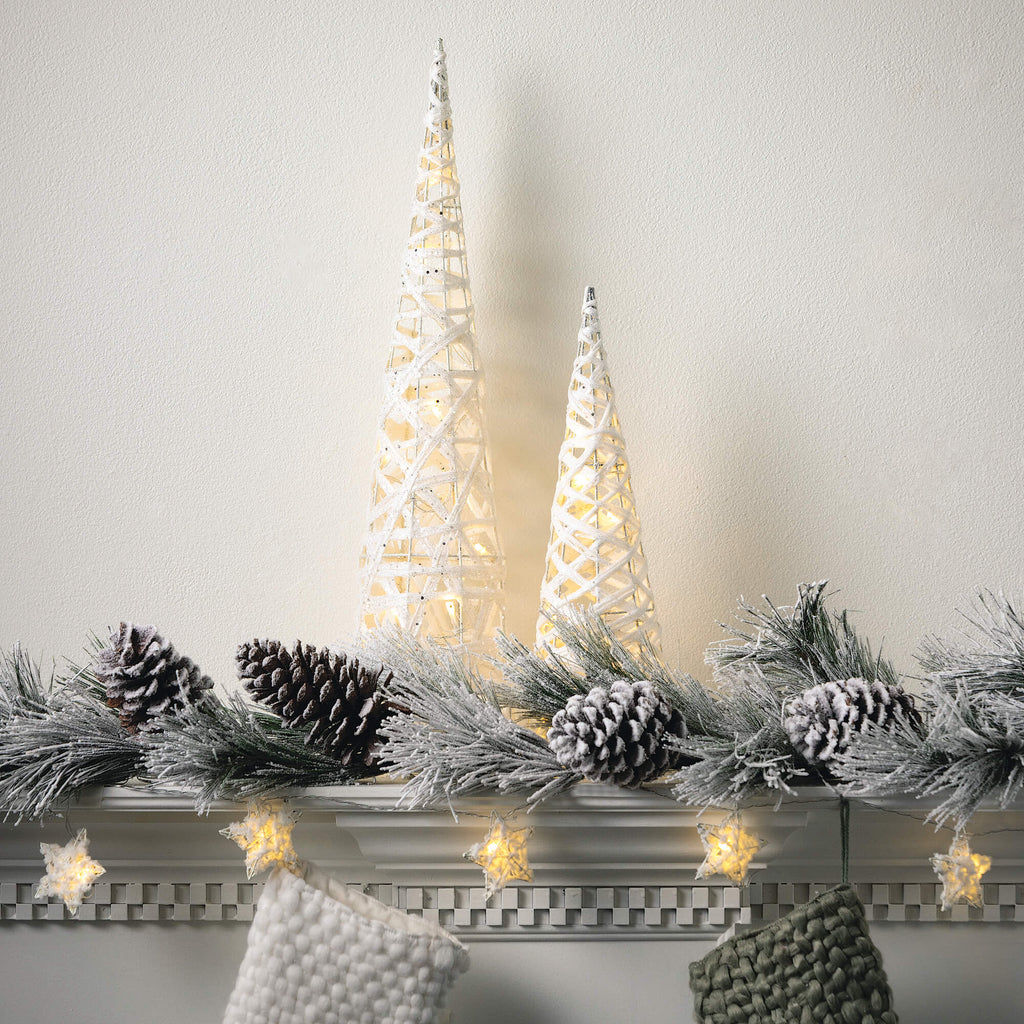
(431, 561)
(594, 555)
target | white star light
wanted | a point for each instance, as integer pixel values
(729, 847)
(502, 855)
(266, 837)
(961, 871)
(70, 871)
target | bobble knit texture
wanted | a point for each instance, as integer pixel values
(321, 953)
(816, 965)
(617, 734)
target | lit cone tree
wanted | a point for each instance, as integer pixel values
(431, 561)
(595, 560)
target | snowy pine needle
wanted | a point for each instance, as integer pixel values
(990, 653)
(21, 685)
(234, 751)
(455, 740)
(593, 656)
(800, 646)
(53, 745)
(748, 752)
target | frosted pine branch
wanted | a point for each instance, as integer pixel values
(455, 740)
(747, 754)
(801, 646)
(593, 655)
(52, 746)
(990, 654)
(973, 747)
(233, 751)
(973, 751)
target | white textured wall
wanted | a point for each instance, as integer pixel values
(803, 220)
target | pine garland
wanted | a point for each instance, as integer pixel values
(593, 655)
(455, 739)
(54, 744)
(802, 646)
(232, 751)
(456, 736)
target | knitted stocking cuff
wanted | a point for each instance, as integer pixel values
(817, 964)
(321, 951)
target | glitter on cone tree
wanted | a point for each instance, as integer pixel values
(431, 561)
(594, 555)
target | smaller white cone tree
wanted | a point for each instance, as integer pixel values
(431, 561)
(595, 559)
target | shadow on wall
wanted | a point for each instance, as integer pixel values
(729, 519)
(531, 326)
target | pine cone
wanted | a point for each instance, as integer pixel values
(822, 720)
(263, 666)
(341, 700)
(616, 733)
(146, 678)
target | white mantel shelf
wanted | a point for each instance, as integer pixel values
(592, 834)
(606, 861)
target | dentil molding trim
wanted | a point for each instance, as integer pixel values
(607, 863)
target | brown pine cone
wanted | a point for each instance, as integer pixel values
(341, 701)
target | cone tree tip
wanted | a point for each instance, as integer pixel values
(589, 309)
(439, 84)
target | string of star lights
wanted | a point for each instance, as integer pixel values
(70, 871)
(502, 854)
(266, 836)
(960, 871)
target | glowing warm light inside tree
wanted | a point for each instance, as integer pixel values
(595, 559)
(431, 562)
(729, 849)
(960, 871)
(502, 854)
(70, 871)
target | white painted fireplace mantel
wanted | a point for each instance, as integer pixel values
(604, 932)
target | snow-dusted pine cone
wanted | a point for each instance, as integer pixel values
(146, 678)
(822, 720)
(340, 700)
(617, 733)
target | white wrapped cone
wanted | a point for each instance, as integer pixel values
(431, 561)
(595, 560)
